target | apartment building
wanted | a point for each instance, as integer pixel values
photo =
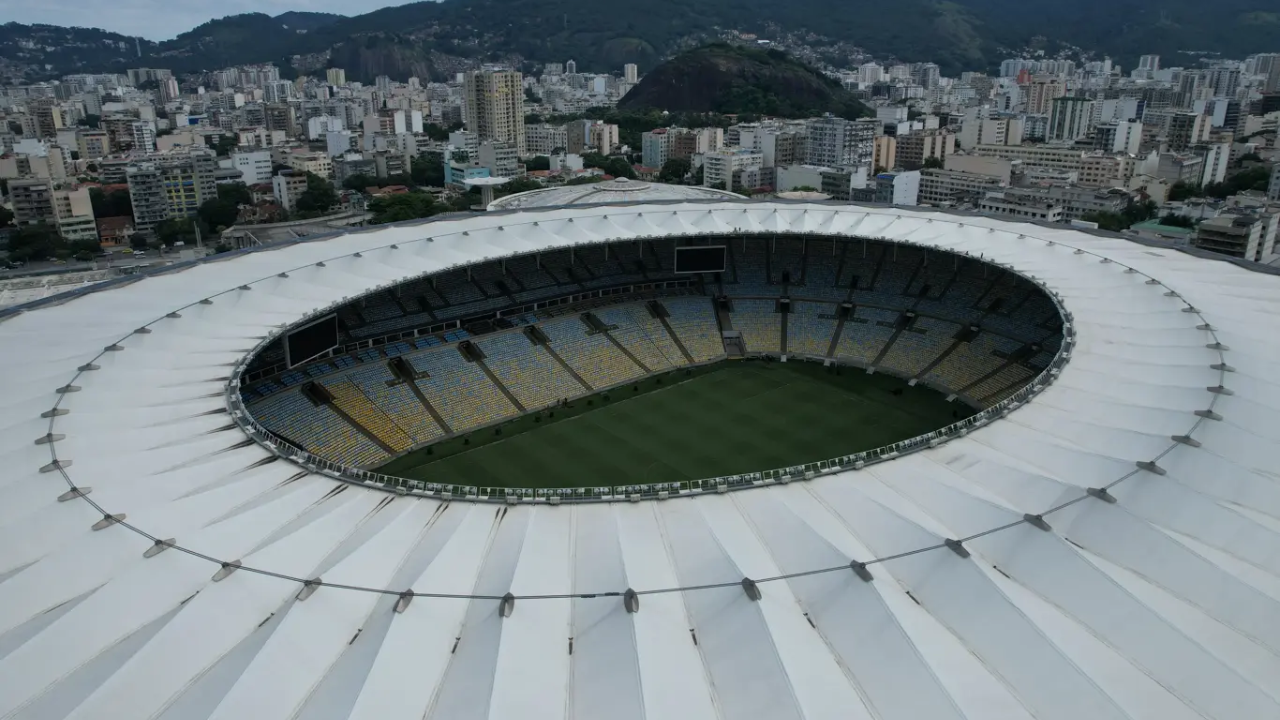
(172, 185)
(494, 106)
(732, 168)
(953, 188)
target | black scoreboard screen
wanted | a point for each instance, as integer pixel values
(311, 340)
(700, 259)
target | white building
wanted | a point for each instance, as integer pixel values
(732, 168)
(254, 166)
(341, 142)
(630, 73)
(837, 142)
(317, 127)
(1070, 119)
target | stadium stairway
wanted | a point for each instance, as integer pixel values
(897, 331)
(985, 378)
(431, 409)
(662, 318)
(782, 326)
(938, 360)
(835, 336)
(572, 373)
(498, 383)
(626, 352)
(360, 428)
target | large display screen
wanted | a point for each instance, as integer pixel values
(311, 340)
(700, 259)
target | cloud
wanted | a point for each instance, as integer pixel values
(165, 19)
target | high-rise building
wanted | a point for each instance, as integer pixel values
(1042, 91)
(383, 84)
(1118, 137)
(1186, 129)
(49, 117)
(543, 139)
(171, 186)
(571, 68)
(32, 201)
(630, 73)
(914, 149)
(1224, 81)
(73, 212)
(836, 142)
(654, 147)
(494, 106)
(92, 143)
(168, 89)
(254, 166)
(1070, 118)
(336, 76)
(732, 168)
(142, 134)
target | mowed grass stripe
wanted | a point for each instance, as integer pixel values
(733, 418)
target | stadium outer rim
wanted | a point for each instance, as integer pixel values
(860, 567)
(646, 491)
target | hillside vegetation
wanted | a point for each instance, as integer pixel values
(956, 34)
(730, 79)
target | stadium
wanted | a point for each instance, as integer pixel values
(694, 458)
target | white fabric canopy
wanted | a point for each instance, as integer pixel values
(1163, 605)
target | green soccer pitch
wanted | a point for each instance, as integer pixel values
(724, 419)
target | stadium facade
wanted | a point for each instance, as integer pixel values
(1106, 548)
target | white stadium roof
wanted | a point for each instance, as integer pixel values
(618, 190)
(1157, 600)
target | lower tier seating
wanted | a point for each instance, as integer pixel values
(759, 323)
(810, 327)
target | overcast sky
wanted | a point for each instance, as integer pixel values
(165, 19)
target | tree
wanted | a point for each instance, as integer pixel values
(360, 182)
(236, 192)
(585, 180)
(405, 206)
(427, 171)
(1249, 157)
(177, 229)
(91, 121)
(218, 213)
(318, 197)
(531, 96)
(804, 188)
(225, 144)
(117, 203)
(6, 216)
(1177, 221)
(1136, 212)
(517, 185)
(1180, 191)
(541, 162)
(36, 242)
(1106, 220)
(933, 163)
(674, 170)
